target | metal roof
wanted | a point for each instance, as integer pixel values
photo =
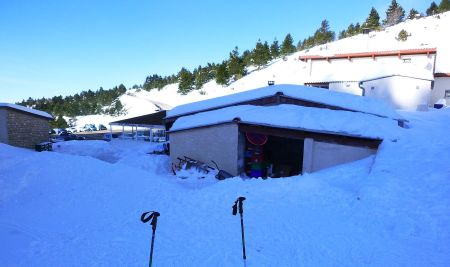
(154, 119)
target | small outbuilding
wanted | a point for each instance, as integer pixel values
(23, 127)
(281, 139)
(149, 127)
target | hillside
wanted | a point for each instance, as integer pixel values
(427, 32)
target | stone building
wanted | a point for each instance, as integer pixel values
(23, 127)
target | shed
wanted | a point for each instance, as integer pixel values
(288, 94)
(151, 124)
(293, 139)
(23, 127)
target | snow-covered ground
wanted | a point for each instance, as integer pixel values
(81, 204)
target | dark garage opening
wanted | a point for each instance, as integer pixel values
(276, 157)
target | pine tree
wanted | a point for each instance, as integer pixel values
(358, 29)
(323, 35)
(413, 13)
(373, 21)
(222, 75)
(394, 14)
(60, 122)
(267, 54)
(402, 35)
(236, 65)
(247, 58)
(200, 77)
(116, 109)
(261, 54)
(274, 49)
(186, 81)
(287, 47)
(299, 45)
(444, 6)
(433, 9)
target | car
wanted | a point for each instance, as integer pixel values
(89, 128)
(67, 136)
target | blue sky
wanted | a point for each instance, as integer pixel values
(50, 48)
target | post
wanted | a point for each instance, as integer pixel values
(239, 204)
(154, 217)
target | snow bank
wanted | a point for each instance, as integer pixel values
(70, 210)
(298, 118)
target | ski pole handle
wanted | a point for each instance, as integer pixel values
(153, 216)
(241, 202)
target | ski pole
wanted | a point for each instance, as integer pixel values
(154, 217)
(239, 202)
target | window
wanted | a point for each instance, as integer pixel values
(447, 94)
(406, 60)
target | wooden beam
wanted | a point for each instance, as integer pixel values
(321, 137)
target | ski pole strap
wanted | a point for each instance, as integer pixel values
(153, 216)
(235, 206)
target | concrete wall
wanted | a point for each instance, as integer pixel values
(25, 130)
(3, 126)
(400, 92)
(319, 67)
(218, 143)
(320, 155)
(346, 87)
(441, 84)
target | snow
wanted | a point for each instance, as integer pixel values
(80, 206)
(373, 70)
(312, 94)
(298, 118)
(28, 110)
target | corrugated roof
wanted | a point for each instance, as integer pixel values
(148, 119)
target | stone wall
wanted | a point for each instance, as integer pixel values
(26, 130)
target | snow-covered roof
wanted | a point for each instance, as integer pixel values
(298, 118)
(373, 70)
(310, 94)
(28, 110)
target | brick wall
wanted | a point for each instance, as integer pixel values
(26, 130)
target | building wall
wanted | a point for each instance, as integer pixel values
(3, 126)
(400, 92)
(346, 87)
(321, 155)
(25, 130)
(218, 143)
(355, 64)
(441, 84)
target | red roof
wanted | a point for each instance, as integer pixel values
(373, 54)
(440, 74)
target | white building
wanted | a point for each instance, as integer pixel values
(404, 78)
